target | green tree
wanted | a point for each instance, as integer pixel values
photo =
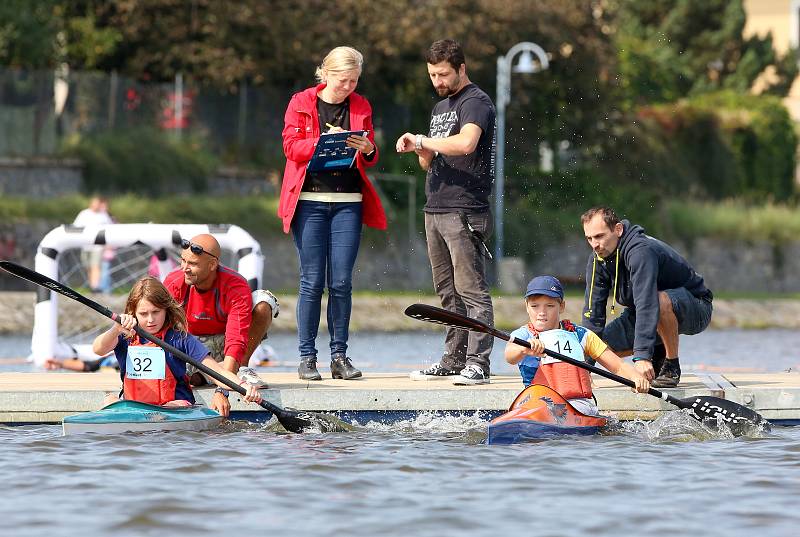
(670, 49)
(46, 33)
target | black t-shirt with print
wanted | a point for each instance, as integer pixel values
(462, 182)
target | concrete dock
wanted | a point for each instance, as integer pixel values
(48, 396)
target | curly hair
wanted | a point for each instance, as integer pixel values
(153, 291)
(446, 50)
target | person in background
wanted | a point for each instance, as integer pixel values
(325, 210)
(458, 154)
(221, 311)
(662, 294)
(149, 373)
(96, 214)
(544, 302)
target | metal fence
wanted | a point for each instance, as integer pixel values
(41, 110)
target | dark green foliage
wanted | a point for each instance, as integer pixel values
(145, 161)
(670, 49)
(713, 146)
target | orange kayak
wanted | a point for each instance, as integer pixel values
(539, 412)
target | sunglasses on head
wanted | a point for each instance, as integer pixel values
(196, 249)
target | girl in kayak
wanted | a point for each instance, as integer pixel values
(544, 302)
(149, 373)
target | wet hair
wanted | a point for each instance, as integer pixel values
(446, 50)
(152, 290)
(609, 216)
(339, 59)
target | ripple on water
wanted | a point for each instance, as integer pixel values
(427, 476)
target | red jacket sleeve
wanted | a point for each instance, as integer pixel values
(299, 132)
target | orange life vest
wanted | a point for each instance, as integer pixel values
(566, 379)
(151, 391)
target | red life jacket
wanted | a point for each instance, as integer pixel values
(151, 391)
(566, 379)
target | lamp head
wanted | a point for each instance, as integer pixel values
(525, 64)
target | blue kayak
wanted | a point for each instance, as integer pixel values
(124, 416)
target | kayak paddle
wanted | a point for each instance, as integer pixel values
(291, 420)
(707, 409)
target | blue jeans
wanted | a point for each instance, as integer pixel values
(327, 236)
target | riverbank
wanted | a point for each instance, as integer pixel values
(384, 312)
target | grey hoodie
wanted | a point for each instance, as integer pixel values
(647, 266)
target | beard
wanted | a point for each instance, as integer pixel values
(449, 91)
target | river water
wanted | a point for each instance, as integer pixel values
(428, 476)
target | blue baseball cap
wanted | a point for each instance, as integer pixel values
(545, 285)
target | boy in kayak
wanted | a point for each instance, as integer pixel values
(544, 301)
(149, 373)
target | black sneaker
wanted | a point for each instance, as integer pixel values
(434, 372)
(670, 375)
(471, 375)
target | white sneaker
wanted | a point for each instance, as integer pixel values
(249, 374)
(470, 376)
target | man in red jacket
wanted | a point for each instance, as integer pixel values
(220, 311)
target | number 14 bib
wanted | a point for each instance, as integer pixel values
(145, 362)
(562, 342)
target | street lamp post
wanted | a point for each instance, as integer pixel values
(526, 64)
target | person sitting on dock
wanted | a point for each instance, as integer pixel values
(662, 294)
(221, 311)
(544, 302)
(149, 373)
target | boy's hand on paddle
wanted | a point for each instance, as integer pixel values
(537, 347)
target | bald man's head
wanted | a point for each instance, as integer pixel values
(208, 243)
(200, 266)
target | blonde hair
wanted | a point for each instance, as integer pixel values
(153, 291)
(339, 59)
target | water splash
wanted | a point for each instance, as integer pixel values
(680, 426)
(467, 428)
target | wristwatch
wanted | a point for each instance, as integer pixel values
(418, 142)
(223, 391)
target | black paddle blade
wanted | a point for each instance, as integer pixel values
(714, 411)
(432, 314)
(296, 421)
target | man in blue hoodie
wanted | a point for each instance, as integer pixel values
(662, 294)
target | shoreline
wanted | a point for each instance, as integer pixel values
(385, 313)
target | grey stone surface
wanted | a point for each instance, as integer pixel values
(40, 177)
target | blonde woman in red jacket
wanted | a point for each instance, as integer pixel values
(326, 209)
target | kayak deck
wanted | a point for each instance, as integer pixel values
(133, 416)
(539, 412)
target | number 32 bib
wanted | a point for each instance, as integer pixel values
(145, 362)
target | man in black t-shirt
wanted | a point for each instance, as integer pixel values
(458, 154)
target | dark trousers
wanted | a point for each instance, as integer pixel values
(459, 278)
